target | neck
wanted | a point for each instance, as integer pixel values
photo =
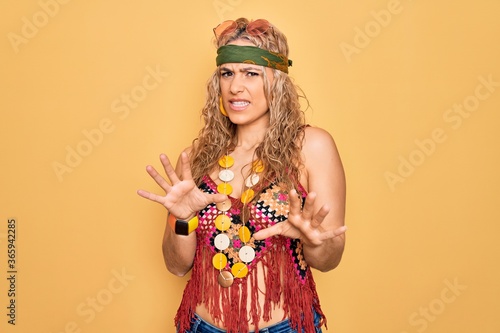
(249, 137)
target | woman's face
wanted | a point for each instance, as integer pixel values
(242, 88)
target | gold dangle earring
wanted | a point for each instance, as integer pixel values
(221, 107)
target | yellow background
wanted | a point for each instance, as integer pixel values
(422, 252)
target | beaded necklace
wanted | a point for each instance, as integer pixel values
(232, 238)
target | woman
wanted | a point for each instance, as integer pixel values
(264, 193)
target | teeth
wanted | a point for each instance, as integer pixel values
(240, 103)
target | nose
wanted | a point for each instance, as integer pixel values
(236, 85)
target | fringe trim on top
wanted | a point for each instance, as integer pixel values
(228, 306)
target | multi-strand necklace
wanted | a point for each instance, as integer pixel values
(233, 237)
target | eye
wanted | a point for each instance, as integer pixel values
(252, 73)
(226, 73)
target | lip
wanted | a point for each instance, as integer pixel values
(238, 104)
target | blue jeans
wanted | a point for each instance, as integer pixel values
(200, 326)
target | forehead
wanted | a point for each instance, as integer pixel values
(237, 66)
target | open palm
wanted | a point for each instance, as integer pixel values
(182, 197)
(303, 223)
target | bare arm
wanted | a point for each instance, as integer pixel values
(178, 250)
(327, 185)
(320, 223)
(183, 199)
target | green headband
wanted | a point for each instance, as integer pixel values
(252, 55)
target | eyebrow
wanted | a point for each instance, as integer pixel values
(244, 69)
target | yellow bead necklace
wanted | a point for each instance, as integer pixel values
(231, 236)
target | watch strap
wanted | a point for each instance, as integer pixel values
(182, 227)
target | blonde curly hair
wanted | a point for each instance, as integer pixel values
(280, 150)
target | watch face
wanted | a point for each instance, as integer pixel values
(181, 227)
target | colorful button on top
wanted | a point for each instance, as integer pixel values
(225, 279)
(258, 166)
(221, 242)
(223, 206)
(246, 254)
(219, 260)
(222, 222)
(244, 234)
(225, 188)
(252, 180)
(226, 175)
(247, 196)
(226, 161)
(239, 270)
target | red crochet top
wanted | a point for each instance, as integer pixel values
(288, 278)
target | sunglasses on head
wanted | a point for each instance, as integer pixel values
(254, 28)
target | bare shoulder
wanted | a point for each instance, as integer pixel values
(322, 163)
(318, 141)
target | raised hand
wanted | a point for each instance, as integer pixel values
(303, 223)
(182, 197)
